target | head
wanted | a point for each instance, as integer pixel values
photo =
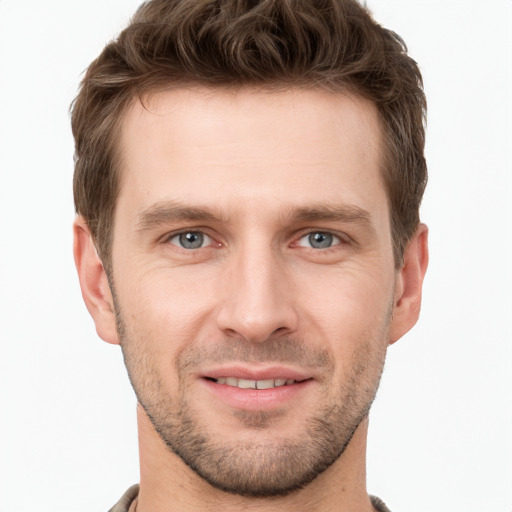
(332, 45)
(248, 177)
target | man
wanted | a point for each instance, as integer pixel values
(248, 177)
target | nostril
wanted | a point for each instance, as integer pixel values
(256, 324)
(232, 333)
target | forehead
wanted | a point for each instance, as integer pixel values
(221, 147)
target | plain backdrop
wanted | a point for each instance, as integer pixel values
(440, 433)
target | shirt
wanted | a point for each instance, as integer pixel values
(127, 502)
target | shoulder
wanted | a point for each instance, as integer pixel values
(123, 505)
(378, 504)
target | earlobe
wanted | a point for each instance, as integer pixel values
(93, 282)
(409, 284)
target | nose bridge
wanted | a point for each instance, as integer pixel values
(258, 302)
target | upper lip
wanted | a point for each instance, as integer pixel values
(256, 373)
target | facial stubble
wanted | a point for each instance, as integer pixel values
(256, 465)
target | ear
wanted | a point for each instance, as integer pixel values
(94, 282)
(409, 284)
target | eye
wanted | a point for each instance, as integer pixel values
(319, 240)
(190, 240)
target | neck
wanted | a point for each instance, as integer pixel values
(167, 484)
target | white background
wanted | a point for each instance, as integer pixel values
(440, 436)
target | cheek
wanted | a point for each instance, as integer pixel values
(348, 299)
(166, 308)
(349, 313)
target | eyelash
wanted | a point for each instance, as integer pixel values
(337, 240)
(334, 239)
(168, 239)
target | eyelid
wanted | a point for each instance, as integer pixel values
(207, 240)
(341, 238)
(211, 241)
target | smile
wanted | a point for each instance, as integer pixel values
(257, 390)
(254, 384)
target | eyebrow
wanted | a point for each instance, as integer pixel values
(170, 211)
(343, 213)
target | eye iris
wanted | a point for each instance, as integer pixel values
(191, 240)
(320, 240)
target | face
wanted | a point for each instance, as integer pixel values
(253, 278)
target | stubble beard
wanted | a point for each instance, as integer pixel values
(256, 466)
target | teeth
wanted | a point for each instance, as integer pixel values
(265, 384)
(254, 384)
(246, 384)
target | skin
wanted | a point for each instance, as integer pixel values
(258, 173)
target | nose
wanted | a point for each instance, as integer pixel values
(257, 297)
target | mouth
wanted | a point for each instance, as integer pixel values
(257, 389)
(254, 384)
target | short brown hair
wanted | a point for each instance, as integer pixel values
(333, 44)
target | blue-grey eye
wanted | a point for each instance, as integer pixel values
(319, 240)
(190, 240)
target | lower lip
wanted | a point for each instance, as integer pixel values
(257, 399)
